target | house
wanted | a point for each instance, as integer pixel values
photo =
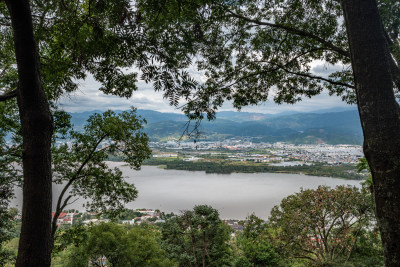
(130, 222)
(64, 218)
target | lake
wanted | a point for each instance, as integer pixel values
(235, 195)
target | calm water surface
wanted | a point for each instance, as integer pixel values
(235, 195)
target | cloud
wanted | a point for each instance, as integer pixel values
(323, 69)
(322, 101)
(90, 98)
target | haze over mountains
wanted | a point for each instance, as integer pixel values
(332, 126)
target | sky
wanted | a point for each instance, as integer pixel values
(89, 98)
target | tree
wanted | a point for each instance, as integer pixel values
(379, 114)
(197, 238)
(79, 161)
(368, 251)
(103, 244)
(323, 225)
(144, 247)
(113, 244)
(80, 164)
(255, 242)
(249, 51)
(105, 39)
(36, 121)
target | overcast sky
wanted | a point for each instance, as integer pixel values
(89, 98)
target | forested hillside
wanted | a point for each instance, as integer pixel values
(318, 127)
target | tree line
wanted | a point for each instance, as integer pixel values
(319, 227)
(345, 171)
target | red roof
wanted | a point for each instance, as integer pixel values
(62, 215)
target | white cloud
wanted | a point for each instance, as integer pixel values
(90, 98)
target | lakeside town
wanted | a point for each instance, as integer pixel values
(70, 218)
(278, 153)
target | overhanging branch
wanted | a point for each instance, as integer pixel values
(8, 95)
(307, 75)
(295, 31)
(76, 176)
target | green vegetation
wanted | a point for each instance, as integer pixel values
(322, 227)
(7, 232)
(256, 246)
(115, 245)
(80, 163)
(325, 226)
(346, 171)
(198, 238)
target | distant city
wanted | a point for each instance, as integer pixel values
(271, 152)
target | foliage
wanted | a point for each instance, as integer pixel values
(112, 244)
(79, 160)
(6, 232)
(10, 174)
(252, 51)
(80, 164)
(144, 247)
(255, 242)
(73, 39)
(369, 251)
(197, 238)
(107, 40)
(104, 240)
(363, 166)
(323, 225)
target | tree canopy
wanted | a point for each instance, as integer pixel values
(79, 163)
(254, 51)
(256, 243)
(46, 48)
(251, 51)
(197, 237)
(113, 244)
(322, 225)
(105, 39)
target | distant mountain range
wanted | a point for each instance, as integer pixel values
(333, 126)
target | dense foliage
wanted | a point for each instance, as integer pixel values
(323, 226)
(256, 243)
(79, 162)
(197, 237)
(251, 51)
(115, 245)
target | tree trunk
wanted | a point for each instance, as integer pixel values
(379, 114)
(36, 123)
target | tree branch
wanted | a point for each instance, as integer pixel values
(294, 73)
(317, 78)
(395, 70)
(304, 257)
(298, 32)
(70, 182)
(8, 95)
